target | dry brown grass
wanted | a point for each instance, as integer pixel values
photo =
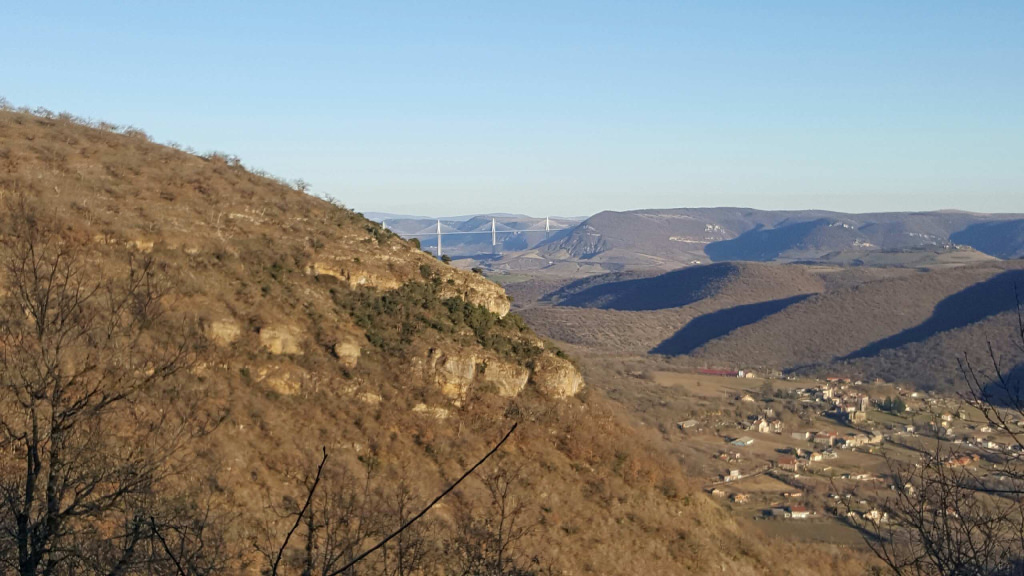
(237, 246)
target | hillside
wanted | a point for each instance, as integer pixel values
(313, 327)
(866, 320)
(889, 322)
(636, 312)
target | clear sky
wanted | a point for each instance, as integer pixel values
(553, 107)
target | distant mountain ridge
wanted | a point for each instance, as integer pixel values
(686, 235)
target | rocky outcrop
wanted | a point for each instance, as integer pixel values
(140, 245)
(476, 290)
(557, 377)
(281, 339)
(453, 374)
(353, 278)
(507, 378)
(435, 412)
(286, 380)
(369, 398)
(223, 332)
(348, 352)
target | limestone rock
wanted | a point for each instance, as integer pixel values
(435, 412)
(476, 290)
(509, 379)
(452, 373)
(348, 353)
(287, 380)
(223, 332)
(557, 377)
(369, 398)
(281, 339)
(354, 278)
(141, 245)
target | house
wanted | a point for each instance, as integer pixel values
(857, 416)
(747, 398)
(855, 440)
(741, 498)
(799, 512)
(826, 438)
(801, 435)
(718, 493)
(687, 424)
(789, 463)
(876, 515)
(743, 442)
(815, 457)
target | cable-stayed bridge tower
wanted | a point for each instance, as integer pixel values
(439, 229)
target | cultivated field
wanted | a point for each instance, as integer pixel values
(708, 386)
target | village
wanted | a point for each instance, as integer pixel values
(814, 455)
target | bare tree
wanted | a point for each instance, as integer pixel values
(411, 548)
(80, 451)
(341, 522)
(487, 541)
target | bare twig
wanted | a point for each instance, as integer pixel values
(167, 549)
(302, 512)
(447, 491)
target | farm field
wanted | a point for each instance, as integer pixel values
(825, 530)
(709, 386)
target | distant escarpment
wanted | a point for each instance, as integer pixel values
(673, 238)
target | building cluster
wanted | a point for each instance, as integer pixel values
(846, 401)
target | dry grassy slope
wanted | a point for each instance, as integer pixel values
(845, 320)
(280, 279)
(639, 323)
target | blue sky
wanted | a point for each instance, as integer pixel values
(558, 107)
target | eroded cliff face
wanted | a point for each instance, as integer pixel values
(456, 373)
(475, 289)
(557, 377)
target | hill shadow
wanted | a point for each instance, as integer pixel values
(1010, 392)
(1000, 239)
(964, 308)
(706, 328)
(668, 290)
(761, 245)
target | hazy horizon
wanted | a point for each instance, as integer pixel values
(567, 108)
